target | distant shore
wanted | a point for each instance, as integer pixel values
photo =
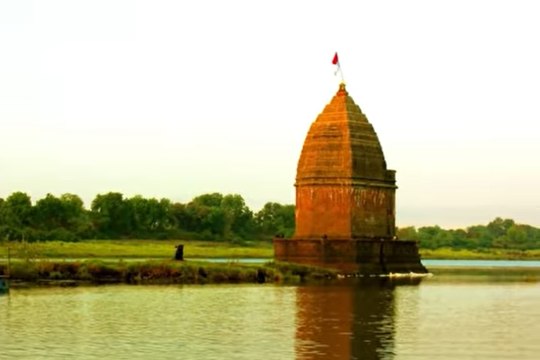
(484, 254)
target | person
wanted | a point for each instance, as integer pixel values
(179, 255)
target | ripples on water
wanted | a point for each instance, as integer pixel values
(128, 322)
(347, 320)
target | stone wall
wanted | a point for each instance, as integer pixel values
(360, 256)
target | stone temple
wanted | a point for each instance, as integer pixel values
(345, 199)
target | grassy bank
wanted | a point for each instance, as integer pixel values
(119, 249)
(157, 272)
(165, 249)
(486, 254)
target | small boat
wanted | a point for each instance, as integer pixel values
(4, 285)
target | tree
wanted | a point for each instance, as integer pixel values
(215, 216)
(478, 236)
(206, 215)
(499, 227)
(49, 213)
(274, 219)
(209, 200)
(16, 216)
(53, 220)
(238, 217)
(407, 233)
(429, 236)
(112, 214)
(150, 216)
(517, 236)
(77, 218)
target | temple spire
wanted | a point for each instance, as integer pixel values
(342, 90)
(345, 198)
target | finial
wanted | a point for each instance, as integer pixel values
(342, 90)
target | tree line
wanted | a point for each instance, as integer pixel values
(211, 216)
(113, 216)
(499, 233)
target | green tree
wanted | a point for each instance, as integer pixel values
(49, 213)
(16, 216)
(151, 217)
(275, 219)
(77, 218)
(407, 233)
(499, 227)
(517, 237)
(207, 219)
(429, 237)
(179, 216)
(208, 200)
(458, 239)
(478, 236)
(216, 217)
(112, 215)
(238, 217)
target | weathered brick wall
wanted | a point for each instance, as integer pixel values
(373, 212)
(323, 210)
(339, 211)
(366, 256)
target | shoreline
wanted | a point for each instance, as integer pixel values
(24, 274)
(165, 249)
(158, 272)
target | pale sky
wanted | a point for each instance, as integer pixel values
(179, 98)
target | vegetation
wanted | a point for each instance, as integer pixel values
(503, 235)
(112, 216)
(165, 249)
(160, 272)
(481, 254)
(118, 249)
(214, 217)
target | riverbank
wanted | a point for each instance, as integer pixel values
(484, 254)
(165, 249)
(73, 273)
(118, 249)
(165, 272)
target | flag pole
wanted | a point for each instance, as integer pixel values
(336, 62)
(341, 72)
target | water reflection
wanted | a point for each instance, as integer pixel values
(442, 318)
(350, 320)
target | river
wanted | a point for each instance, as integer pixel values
(439, 317)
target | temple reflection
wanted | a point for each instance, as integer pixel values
(348, 320)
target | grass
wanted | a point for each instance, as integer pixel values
(119, 249)
(486, 254)
(158, 272)
(165, 249)
(105, 261)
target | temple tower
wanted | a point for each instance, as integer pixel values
(345, 198)
(343, 188)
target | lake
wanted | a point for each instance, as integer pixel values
(440, 317)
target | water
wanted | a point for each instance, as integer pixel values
(438, 318)
(427, 262)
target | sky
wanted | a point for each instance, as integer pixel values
(179, 98)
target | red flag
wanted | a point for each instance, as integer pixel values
(335, 60)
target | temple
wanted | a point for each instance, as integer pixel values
(345, 199)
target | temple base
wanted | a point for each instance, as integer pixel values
(352, 256)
